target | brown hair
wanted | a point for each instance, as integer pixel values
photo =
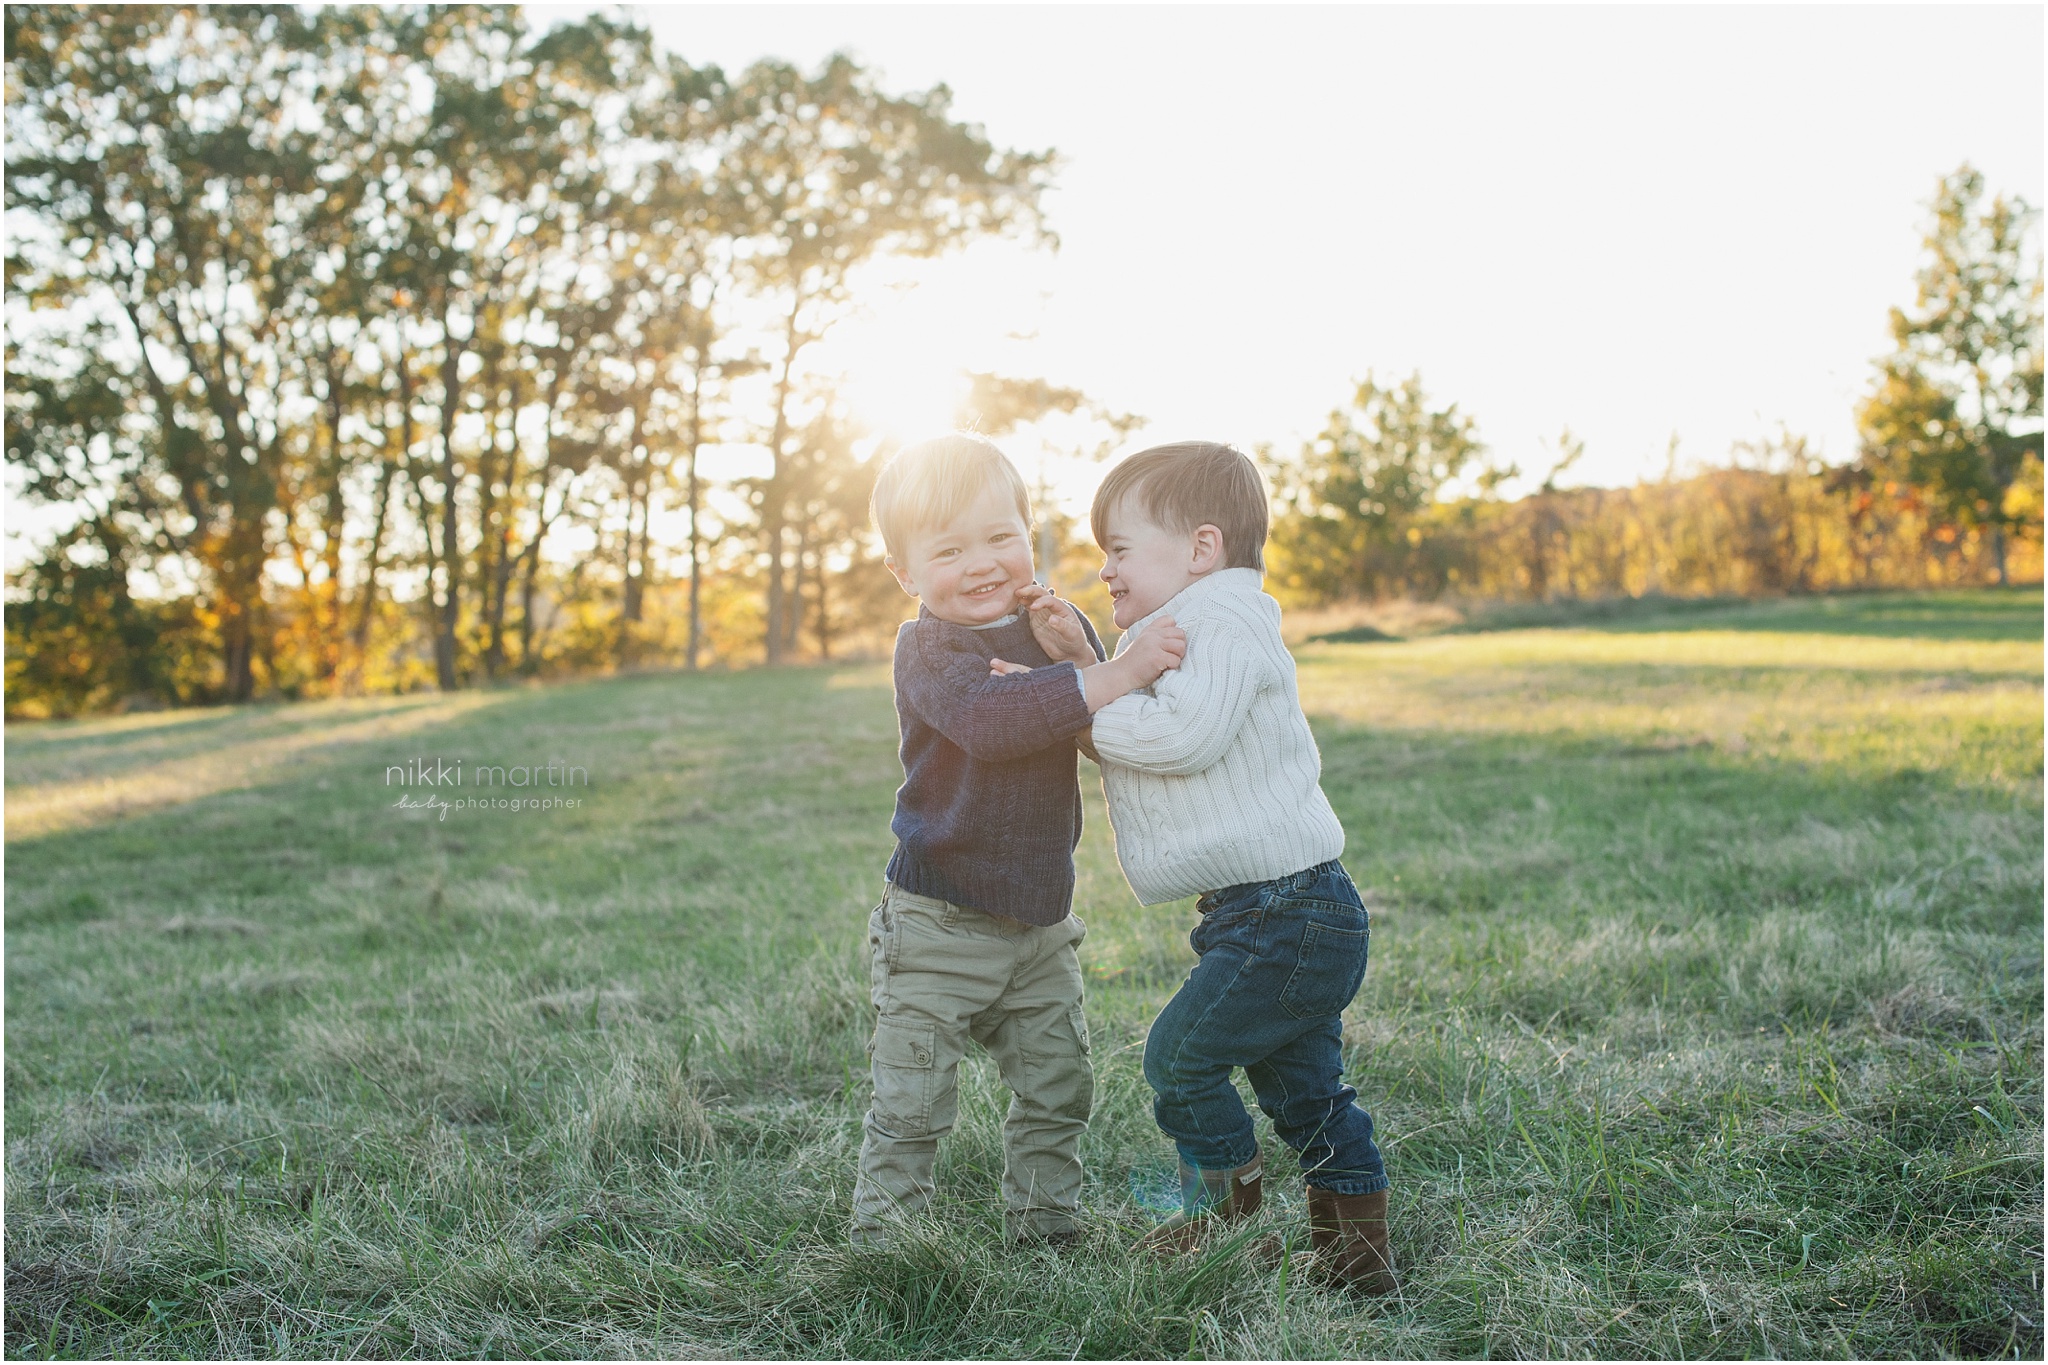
(1190, 484)
(928, 484)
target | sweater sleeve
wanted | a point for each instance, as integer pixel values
(994, 719)
(1195, 711)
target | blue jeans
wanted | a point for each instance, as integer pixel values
(1280, 961)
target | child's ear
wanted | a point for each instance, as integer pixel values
(1208, 549)
(902, 578)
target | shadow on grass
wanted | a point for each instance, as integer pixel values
(680, 770)
(692, 776)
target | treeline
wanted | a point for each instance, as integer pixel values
(374, 347)
(1399, 496)
(366, 349)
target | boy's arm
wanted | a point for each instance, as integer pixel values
(1085, 742)
(1195, 711)
(998, 711)
(994, 717)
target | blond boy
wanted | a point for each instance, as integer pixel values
(974, 939)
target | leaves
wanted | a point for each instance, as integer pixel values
(1379, 462)
(344, 317)
(1955, 411)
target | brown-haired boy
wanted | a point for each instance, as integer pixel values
(1214, 790)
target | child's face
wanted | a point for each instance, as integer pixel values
(1145, 564)
(968, 570)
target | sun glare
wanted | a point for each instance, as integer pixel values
(903, 364)
(903, 395)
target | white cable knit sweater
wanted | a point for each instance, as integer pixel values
(1214, 778)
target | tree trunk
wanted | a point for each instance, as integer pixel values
(633, 566)
(1539, 549)
(772, 518)
(696, 438)
(793, 612)
(237, 640)
(367, 607)
(334, 514)
(824, 626)
(392, 462)
(450, 615)
(526, 596)
(503, 562)
(635, 586)
(240, 581)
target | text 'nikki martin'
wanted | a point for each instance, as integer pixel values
(439, 772)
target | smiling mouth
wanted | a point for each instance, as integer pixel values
(987, 589)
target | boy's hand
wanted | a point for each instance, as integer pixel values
(1056, 624)
(1163, 645)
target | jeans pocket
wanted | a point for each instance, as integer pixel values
(904, 1053)
(1236, 919)
(1328, 968)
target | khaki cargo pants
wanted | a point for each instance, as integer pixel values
(944, 973)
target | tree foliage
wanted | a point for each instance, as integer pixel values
(390, 336)
(384, 347)
(1350, 500)
(1955, 412)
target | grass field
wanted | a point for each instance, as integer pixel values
(1704, 1018)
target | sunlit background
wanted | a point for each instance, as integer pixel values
(1637, 223)
(575, 336)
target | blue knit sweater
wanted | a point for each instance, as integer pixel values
(990, 809)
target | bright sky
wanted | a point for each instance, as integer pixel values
(1631, 221)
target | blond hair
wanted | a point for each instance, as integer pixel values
(932, 482)
(1190, 484)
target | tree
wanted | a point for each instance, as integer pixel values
(1956, 409)
(169, 161)
(827, 173)
(1548, 529)
(1355, 490)
(338, 318)
(491, 186)
(829, 484)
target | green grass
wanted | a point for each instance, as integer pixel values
(1704, 1018)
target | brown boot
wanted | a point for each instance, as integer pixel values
(1213, 1197)
(1348, 1233)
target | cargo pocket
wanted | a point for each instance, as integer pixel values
(903, 1053)
(1327, 970)
(882, 934)
(1077, 1019)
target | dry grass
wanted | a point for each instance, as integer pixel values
(1704, 1018)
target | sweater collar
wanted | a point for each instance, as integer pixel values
(1007, 624)
(1232, 582)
